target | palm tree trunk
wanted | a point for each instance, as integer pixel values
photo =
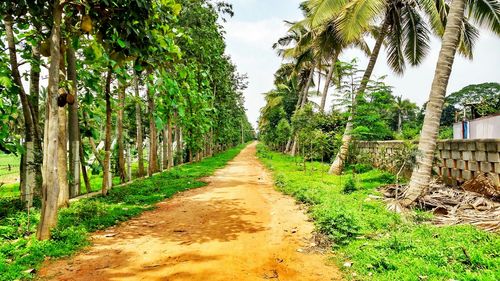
(106, 182)
(303, 101)
(73, 128)
(338, 164)
(422, 172)
(50, 183)
(327, 82)
(138, 121)
(306, 88)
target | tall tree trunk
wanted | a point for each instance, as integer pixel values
(288, 144)
(178, 140)
(50, 184)
(35, 116)
(73, 128)
(329, 76)
(338, 164)
(165, 148)
(93, 146)
(303, 100)
(138, 121)
(400, 122)
(421, 175)
(27, 174)
(119, 123)
(62, 160)
(88, 187)
(170, 153)
(153, 138)
(106, 182)
(129, 163)
(306, 88)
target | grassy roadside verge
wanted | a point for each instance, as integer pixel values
(20, 252)
(382, 245)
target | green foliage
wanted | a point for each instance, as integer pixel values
(350, 186)
(482, 99)
(19, 250)
(446, 133)
(380, 244)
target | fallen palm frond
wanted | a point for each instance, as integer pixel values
(451, 206)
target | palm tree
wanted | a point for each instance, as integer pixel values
(306, 58)
(485, 13)
(331, 42)
(403, 30)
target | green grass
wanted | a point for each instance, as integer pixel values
(9, 172)
(382, 245)
(19, 250)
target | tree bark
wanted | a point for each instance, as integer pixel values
(35, 116)
(93, 146)
(106, 182)
(50, 184)
(303, 100)
(29, 169)
(338, 164)
(62, 160)
(153, 138)
(73, 128)
(327, 82)
(119, 123)
(88, 187)
(165, 149)
(306, 88)
(170, 144)
(178, 140)
(138, 121)
(421, 175)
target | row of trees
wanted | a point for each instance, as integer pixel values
(132, 73)
(401, 27)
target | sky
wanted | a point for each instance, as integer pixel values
(257, 24)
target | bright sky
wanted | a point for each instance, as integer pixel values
(258, 24)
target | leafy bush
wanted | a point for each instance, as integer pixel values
(361, 168)
(336, 222)
(350, 186)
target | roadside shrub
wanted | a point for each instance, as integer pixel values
(337, 223)
(350, 186)
(361, 168)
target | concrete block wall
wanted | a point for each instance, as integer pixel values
(456, 160)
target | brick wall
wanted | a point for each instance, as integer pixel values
(456, 160)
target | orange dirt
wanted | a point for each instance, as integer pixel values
(236, 228)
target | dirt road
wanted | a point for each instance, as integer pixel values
(236, 228)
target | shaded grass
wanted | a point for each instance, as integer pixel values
(19, 250)
(380, 244)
